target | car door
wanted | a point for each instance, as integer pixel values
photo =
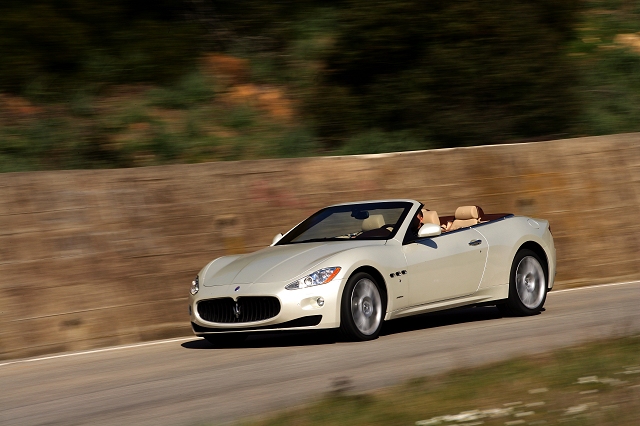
(445, 267)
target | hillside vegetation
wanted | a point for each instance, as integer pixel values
(89, 84)
(594, 384)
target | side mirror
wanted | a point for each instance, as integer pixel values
(277, 238)
(429, 230)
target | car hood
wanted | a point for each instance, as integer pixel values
(277, 263)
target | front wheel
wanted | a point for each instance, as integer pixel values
(362, 308)
(527, 285)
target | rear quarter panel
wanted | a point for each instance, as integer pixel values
(505, 238)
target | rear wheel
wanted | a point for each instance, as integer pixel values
(527, 285)
(362, 308)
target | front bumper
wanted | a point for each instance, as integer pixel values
(299, 309)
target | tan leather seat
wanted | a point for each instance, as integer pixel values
(430, 216)
(374, 221)
(466, 216)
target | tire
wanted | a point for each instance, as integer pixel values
(226, 340)
(527, 285)
(362, 308)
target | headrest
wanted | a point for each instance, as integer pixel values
(462, 223)
(374, 221)
(430, 216)
(468, 212)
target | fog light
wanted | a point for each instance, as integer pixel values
(320, 301)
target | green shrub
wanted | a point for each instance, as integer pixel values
(463, 72)
(376, 141)
(298, 142)
(192, 89)
(239, 117)
(79, 42)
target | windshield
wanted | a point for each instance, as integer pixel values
(367, 221)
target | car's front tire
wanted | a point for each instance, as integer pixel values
(527, 285)
(362, 308)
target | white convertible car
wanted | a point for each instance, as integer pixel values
(352, 266)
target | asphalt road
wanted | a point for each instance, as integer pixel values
(187, 382)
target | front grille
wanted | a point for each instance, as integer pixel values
(246, 309)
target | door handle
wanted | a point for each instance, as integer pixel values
(475, 242)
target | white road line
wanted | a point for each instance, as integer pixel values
(182, 339)
(593, 286)
(95, 351)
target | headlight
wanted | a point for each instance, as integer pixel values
(195, 285)
(321, 276)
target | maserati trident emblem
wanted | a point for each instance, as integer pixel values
(237, 288)
(236, 310)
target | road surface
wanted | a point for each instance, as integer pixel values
(187, 382)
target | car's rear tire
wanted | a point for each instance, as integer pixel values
(527, 285)
(362, 308)
(226, 340)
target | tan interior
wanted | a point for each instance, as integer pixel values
(430, 216)
(462, 223)
(467, 212)
(465, 216)
(374, 221)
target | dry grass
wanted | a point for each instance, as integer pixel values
(593, 384)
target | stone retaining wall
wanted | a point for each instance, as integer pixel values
(96, 258)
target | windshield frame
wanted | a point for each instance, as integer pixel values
(322, 214)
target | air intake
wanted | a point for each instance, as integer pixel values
(247, 309)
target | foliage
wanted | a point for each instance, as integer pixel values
(88, 84)
(376, 141)
(462, 72)
(191, 89)
(56, 44)
(609, 84)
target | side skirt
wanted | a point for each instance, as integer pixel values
(482, 296)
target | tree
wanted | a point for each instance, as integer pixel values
(464, 72)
